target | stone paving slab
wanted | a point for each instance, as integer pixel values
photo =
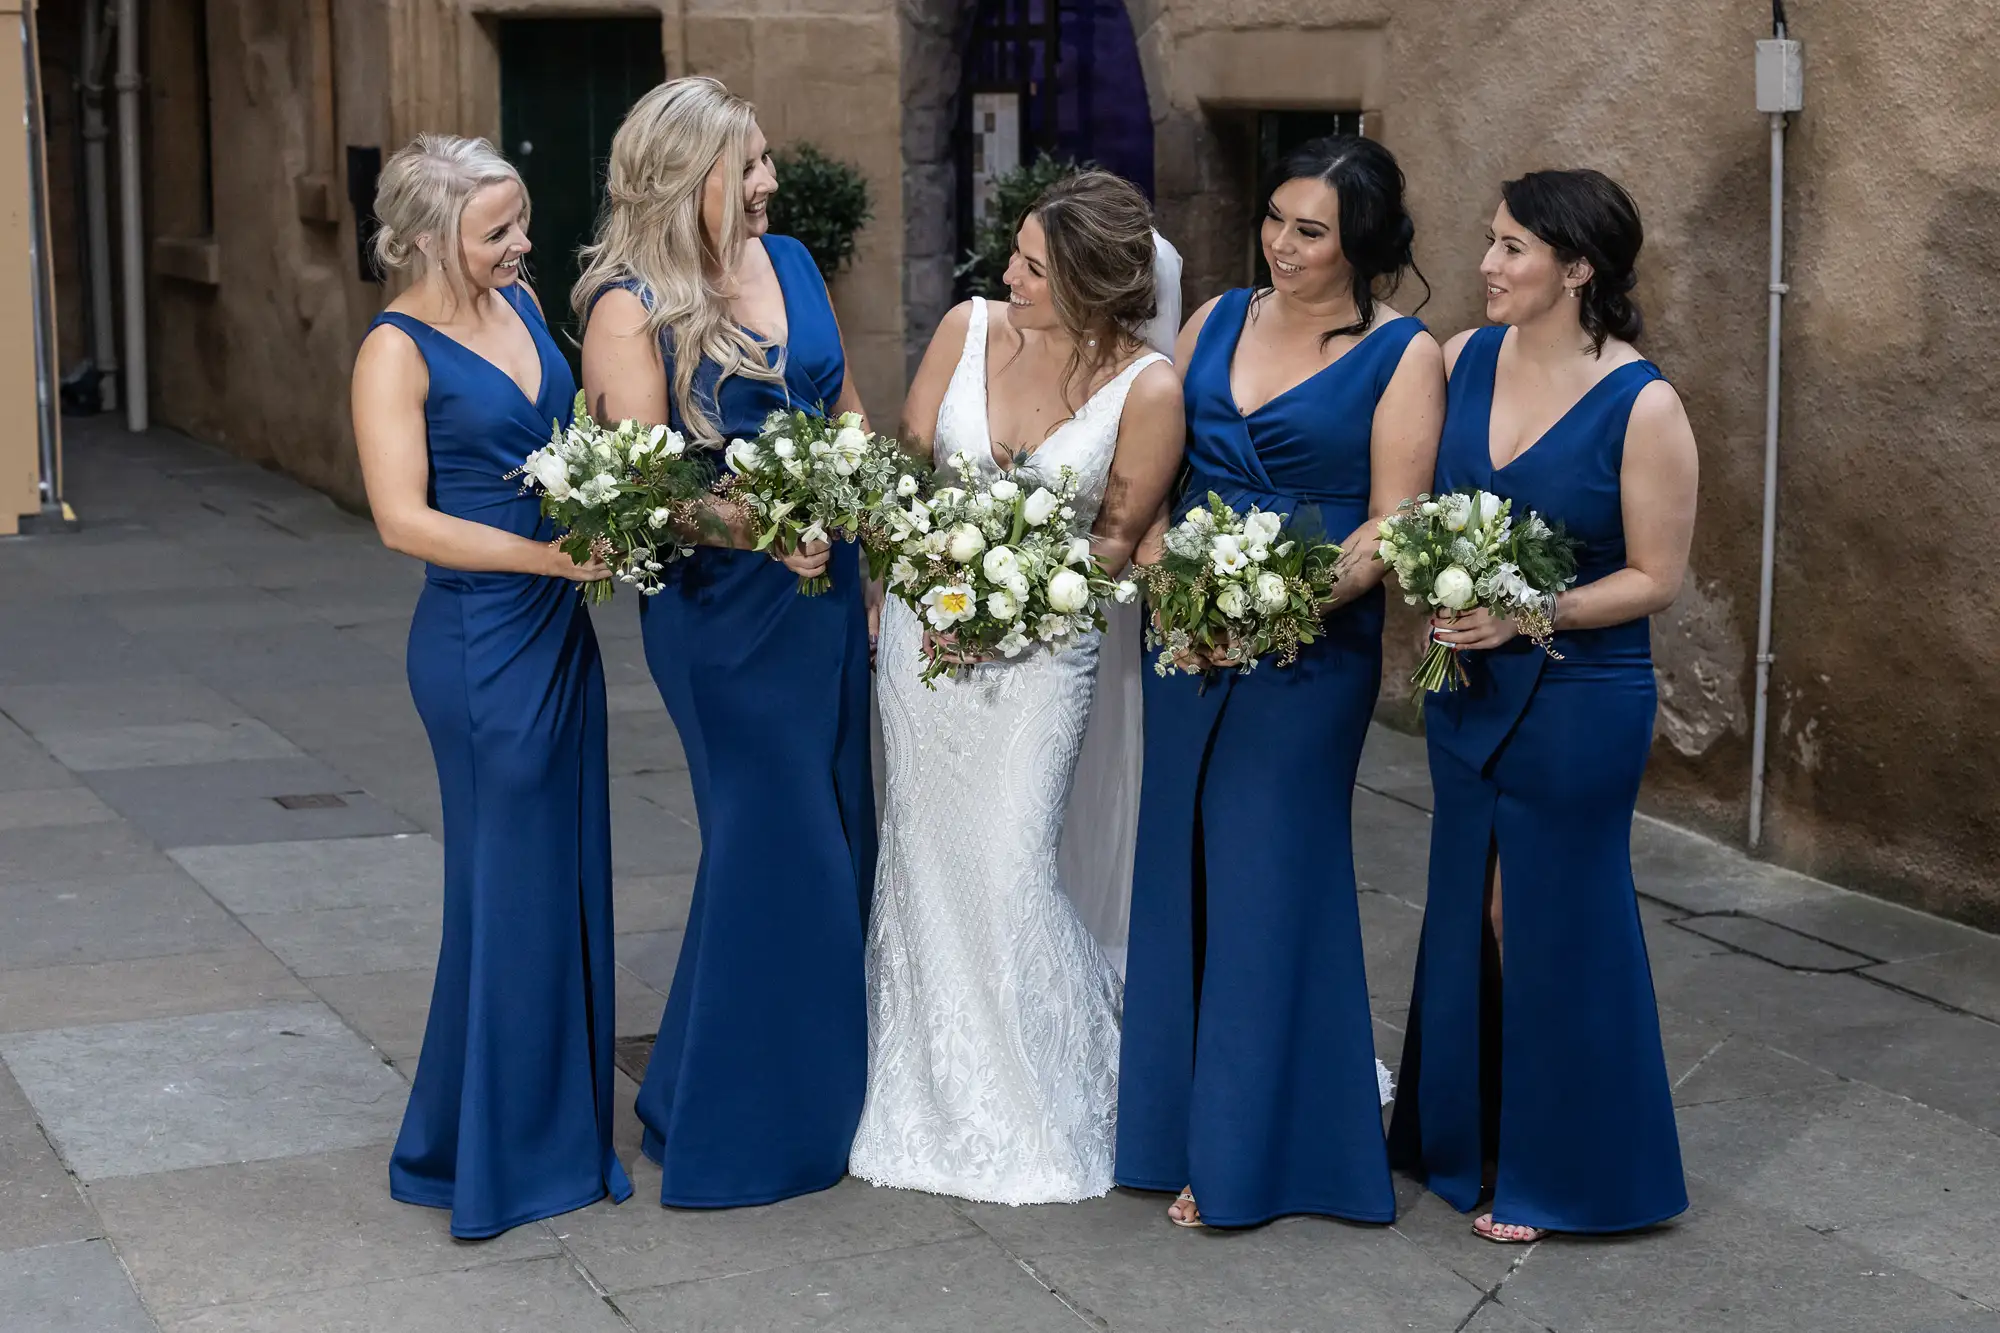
(229, 607)
(1306, 1273)
(163, 1094)
(1967, 978)
(351, 941)
(39, 1201)
(25, 765)
(398, 870)
(77, 1288)
(253, 1231)
(1773, 944)
(1735, 1267)
(638, 1244)
(959, 1284)
(162, 986)
(80, 706)
(52, 807)
(166, 743)
(199, 805)
(65, 922)
(525, 1296)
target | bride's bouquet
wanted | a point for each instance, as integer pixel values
(996, 566)
(1461, 550)
(810, 478)
(1245, 584)
(628, 495)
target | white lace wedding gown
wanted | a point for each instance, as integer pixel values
(993, 1014)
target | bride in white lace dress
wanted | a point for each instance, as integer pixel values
(993, 1011)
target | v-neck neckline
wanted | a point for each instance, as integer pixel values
(986, 402)
(1236, 344)
(533, 401)
(784, 303)
(1495, 469)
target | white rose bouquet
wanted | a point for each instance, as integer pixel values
(629, 495)
(1243, 585)
(810, 478)
(1461, 550)
(996, 566)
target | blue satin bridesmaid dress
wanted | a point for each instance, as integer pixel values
(1248, 1065)
(1538, 763)
(755, 1086)
(509, 1118)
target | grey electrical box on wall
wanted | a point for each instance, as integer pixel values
(1781, 79)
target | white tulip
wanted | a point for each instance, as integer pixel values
(965, 543)
(1489, 508)
(1125, 591)
(1453, 588)
(906, 486)
(1078, 552)
(1068, 591)
(851, 440)
(1004, 490)
(784, 448)
(673, 444)
(743, 456)
(1041, 503)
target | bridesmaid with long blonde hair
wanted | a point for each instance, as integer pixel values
(509, 1119)
(697, 318)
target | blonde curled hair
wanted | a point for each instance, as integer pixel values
(423, 191)
(650, 235)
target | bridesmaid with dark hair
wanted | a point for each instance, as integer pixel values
(1248, 1067)
(1532, 1068)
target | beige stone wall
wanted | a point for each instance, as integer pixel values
(1884, 701)
(255, 306)
(256, 314)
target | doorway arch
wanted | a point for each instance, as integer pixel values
(956, 50)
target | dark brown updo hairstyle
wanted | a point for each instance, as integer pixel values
(1100, 235)
(1587, 215)
(1376, 230)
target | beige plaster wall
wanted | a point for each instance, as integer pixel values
(1885, 705)
(20, 438)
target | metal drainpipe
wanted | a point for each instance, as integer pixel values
(1780, 91)
(97, 206)
(131, 215)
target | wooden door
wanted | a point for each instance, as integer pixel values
(564, 86)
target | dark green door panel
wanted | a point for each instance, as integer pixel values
(564, 86)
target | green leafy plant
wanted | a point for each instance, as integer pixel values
(993, 235)
(822, 202)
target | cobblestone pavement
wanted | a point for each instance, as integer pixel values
(218, 913)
